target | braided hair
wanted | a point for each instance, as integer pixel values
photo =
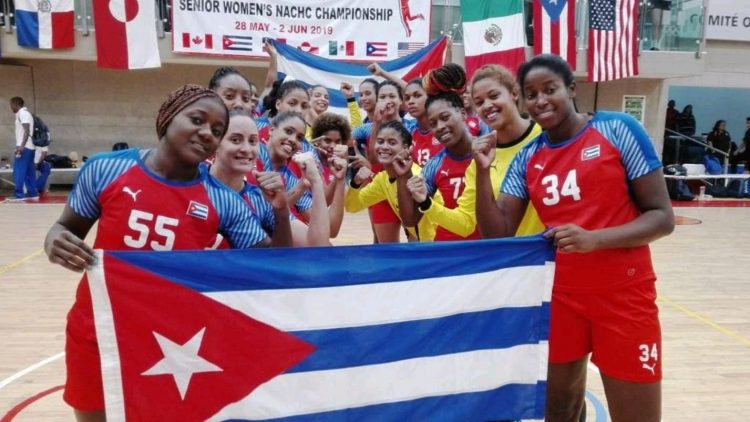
(178, 100)
(224, 71)
(446, 83)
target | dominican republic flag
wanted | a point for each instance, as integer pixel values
(126, 34)
(45, 23)
(554, 29)
(312, 69)
(380, 332)
(613, 37)
(493, 33)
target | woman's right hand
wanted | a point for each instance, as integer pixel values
(69, 251)
(483, 150)
(363, 175)
(375, 69)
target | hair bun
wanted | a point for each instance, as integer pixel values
(449, 77)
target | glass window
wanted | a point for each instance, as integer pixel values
(446, 19)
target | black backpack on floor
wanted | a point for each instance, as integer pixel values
(677, 188)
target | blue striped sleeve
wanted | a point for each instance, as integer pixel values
(98, 173)
(361, 133)
(514, 183)
(630, 138)
(237, 223)
(262, 122)
(263, 210)
(304, 202)
(307, 147)
(264, 157)
(429, 172)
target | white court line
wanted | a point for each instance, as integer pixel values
(30, 369)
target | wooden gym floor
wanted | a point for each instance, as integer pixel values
(704, 298)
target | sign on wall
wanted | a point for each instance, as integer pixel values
(728, 20)
(634, 105)
(364, 30)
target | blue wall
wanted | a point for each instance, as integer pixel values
(712, 104)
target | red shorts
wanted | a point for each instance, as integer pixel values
(383, 213)
(619, 328)
(83, 384)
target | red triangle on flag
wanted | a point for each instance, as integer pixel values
(247, 351)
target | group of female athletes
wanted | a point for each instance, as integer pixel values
(230, 172)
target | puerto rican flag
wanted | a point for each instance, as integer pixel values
(554, 29)
(312, 69)
(45, 24)
(126, 34)
(381, 332)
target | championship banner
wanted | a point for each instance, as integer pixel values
(362, 30)
(428, 331)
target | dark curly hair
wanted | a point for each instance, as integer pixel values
(331, 121)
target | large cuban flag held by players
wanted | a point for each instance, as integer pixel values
(315, 70)
(443, 331)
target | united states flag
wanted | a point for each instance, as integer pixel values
(612, 52)
(406, 48)
(554, 29)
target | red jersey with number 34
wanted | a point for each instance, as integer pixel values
(586, 181)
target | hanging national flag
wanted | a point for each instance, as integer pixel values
(205, 41)
(613, 33)
(405, 48)
(243, 335)
(313, 69)
(554, 29)
(237, 42)
(377, 49)
(125, 35)
(493, 33)
(45, 24)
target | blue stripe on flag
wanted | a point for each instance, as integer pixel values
(335, 66)
(274, 268)
(27, 25)
(509, 327)
(512, 401)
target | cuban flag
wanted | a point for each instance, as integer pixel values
(380, 332)
(314, 70)
(45, 23)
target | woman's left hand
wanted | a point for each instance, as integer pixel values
(572, 238)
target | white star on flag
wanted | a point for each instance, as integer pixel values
(181, 360)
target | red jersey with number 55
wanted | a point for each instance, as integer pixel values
(137, 209)
(586, 181)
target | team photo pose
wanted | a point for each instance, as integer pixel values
(392, 144)
(237, 92)
(495, 94)
(596, 182)
(154, 199)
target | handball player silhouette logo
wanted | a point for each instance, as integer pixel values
(407, 17)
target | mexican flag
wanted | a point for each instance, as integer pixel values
(493, 33)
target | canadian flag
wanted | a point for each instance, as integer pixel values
(126, 34)
(205, 41)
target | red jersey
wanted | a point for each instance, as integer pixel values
(585, 181)
(424, 146)
(445, 173)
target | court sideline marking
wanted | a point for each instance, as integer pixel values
(692, 314)
(30, 369)
(5, 268)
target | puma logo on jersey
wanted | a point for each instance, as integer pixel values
(538, 167)
(134, 195)
(591, 153)
(651, 368)
(444, 172)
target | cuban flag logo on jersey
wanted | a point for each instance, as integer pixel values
(590, 153)
(198, 210)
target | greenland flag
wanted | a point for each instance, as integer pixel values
(126, 34)
(45, 23)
